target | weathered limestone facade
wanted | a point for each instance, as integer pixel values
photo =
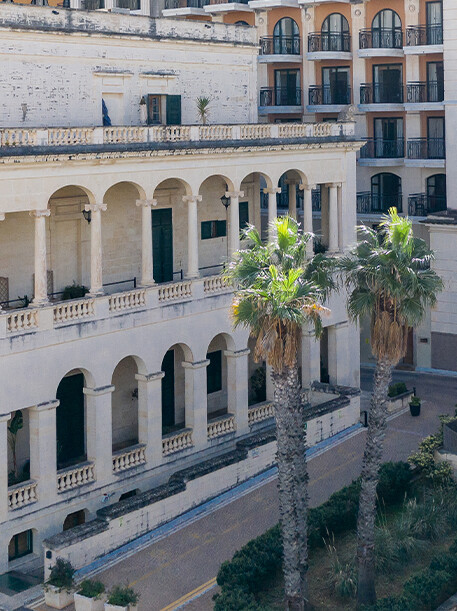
(143, 375)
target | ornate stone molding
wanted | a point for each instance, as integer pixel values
(191, 199)
(95, 207)
(146, 203)
(234, 194)
(39, 213)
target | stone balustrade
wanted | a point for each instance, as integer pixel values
(71, 136)
(80, 475)
(215, 284)
(175, 442)
(126, 301)
(129, 458)
(260, 412)
(22, 320)
(22, 494)
(175, 290)
(221, 426)
(69, 311)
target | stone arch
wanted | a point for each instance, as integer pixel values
(141, 192)
(174, 406)
(217, 374)
(124, 404)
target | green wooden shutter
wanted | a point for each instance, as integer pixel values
(173, 110)
(221, 229)
(244, 215)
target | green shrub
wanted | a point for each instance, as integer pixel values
(91, 588)
(397, 389)
(391, 603)
(424, 458)
(123, 596)
(415, 401)
(394, 480)
(342, 575)
(74, 291)
(426, 589)
(62, 575)
(236, 599)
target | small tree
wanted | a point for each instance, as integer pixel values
(203, 110)
(15, 425)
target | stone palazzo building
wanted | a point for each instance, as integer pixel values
(119, 365)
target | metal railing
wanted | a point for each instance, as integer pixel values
(172, 4)
(93, 5)
(419, 35)
(379, 148)
(378, 93)
(384, 38)
(421, 204)
(370, 203)
(419, 92)
(332, 41)
(427, 148)
(276, 45)
(280, 96)
(326, 94)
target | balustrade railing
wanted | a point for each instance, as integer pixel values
(22, 494)
(129, 458)
(126, 301)
(221, 426)
(124, 134)
(329, 42)
(58, 136)
(18, 137)
(175, 442)
(68, 479)
(379, 148)
(419, 35)
(255, 131)
(280, 45)
(22, 320)
(215, 284)
(173, 4)
(260, 412)
(73, 310)
(327, 94)
(176, 290)
(426, 148)
(215, 132)
(381, 38)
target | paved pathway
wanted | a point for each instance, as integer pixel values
(166, 572)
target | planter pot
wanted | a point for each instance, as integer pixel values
(82, 603)
(109, 607)
(414, 409)
(56, 598)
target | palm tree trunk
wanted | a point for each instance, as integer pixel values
(366, 593)
(292, 479)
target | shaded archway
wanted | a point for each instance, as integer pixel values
(216, 376)
(174, 388)
(71, 420)
(256, 211)
(257, 372)
(124, 404)
(76, 518)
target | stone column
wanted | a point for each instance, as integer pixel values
(308, 215)
(339, 357)
(310, 358)
(196, 401)
(192, 234)
(147, 268)
(99, 431)
(234, 239)
(4, 466)
(96, 276)
(43, 450)
(150, 415)
(237, 387)
(333, 217)
(272, 208)
(292, 198)
(41, 275)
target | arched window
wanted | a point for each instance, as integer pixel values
(436, 193)
(286, 37)
(386, 30)
(241, 23)
(385, 192)
(335, 33)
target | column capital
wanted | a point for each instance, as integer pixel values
(334, 184)
(293, 181)
(39, 213)
(236, 353)
(191, 198)
(146, 203)
(272, 191)
(95, 207)
(149, 377)
(97, 392)
(234, 194)
(43, 407)
(304, 187)
(195, 364)
(2, 216)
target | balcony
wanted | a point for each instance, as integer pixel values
(385, 42)
(329, 46)
(326, 95)
(370, 203)
(95, 5)
(430, 150)
(379, 148)
(378, 93)
(423, 35)
(276, 49)
(421, 204)
(184, 7)
(227, 6)
(425, 92)
(288, 99)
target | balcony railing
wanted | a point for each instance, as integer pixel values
(419, 35)
(222, 425)
(385, 38)
(326, 94)
(427, 148)
(280, 96)
(332, 42)
(133, 5)
(421, 204)
(370, 203)
(420, 92)
(378, 93)
(282, 200)
(378, 148)
(284, 45)
(174, 4)
(260, 412)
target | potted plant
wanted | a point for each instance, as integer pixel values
(58, 590)
(89, 596)
(203, 103)
(415, 406)
(122, 599)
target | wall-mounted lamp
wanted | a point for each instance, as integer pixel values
(87, 214)
(225, 201)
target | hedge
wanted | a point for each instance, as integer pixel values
(397, 389)
(255, 564)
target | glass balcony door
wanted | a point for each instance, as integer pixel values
(335, 85)
(436, 193)
(435, 82)
(388, 137)
(434, 23)
(388, 84)
(287, 88)
(435, 138)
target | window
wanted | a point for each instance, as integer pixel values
(436, 192)
(243, 215)
(386, 30)
(214, 372)
(241, 22)
(20, 545)
(287, 88)
(435, 138)
(286, 37)
(435, 82)
(388, 137)
(386, 192)
(335, 85)
(74, 519)
(154, 117)
(388, 84)
(213, 229)
(434, 21)
(335, 33)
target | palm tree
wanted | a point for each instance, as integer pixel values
(203, 104)
(389, 278)
(277, 292)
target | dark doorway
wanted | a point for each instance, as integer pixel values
(436, 193)
(70, 421)
(162, 244)
(386, 192)
(74, 519)
(388, 84)
(168, 390)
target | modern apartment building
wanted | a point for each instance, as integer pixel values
(110, 184)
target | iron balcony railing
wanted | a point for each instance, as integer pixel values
(133, 5)
(326, 94)
(384, 38)
(419, 35)
(229, 1)
(379, 148)
(370, 203)
(282, 200)
(419, 92)
(378, 93)
(333, 41)
(421, 204)
(93, 5)
(172, 4)
(280, 96)
(284, 45)
(427, 148)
